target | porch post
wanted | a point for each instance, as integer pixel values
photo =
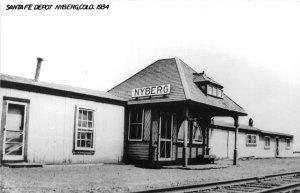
(186, 125)
(207, 125)
(236, 125)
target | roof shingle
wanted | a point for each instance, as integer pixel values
(181, 77)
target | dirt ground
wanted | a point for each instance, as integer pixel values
(128, 178)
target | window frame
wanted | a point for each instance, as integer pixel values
(194, 141)
(142, 125)
(267, 146)
(76, 148)
(190, 133)
(251, 143)
(210, 91)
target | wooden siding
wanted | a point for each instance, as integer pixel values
(147, 124)
(137, 151)
(51, 129)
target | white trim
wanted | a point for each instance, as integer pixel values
(267, 147)
(251, 144)
(15, 157)
(142, 128)
(76, 148)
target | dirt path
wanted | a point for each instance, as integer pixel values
(126, 178)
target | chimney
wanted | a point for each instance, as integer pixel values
(251, 122)
(38, 69)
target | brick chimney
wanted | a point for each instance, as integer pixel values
(38, 69)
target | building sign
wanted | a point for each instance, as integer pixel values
(151, 91)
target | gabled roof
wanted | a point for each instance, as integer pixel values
(183, 88)
(221, 124)
(9, 81)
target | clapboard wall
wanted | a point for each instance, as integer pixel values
(51, 128)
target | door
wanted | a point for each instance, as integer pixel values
(277, 146)
(14, 131)
(165, 136)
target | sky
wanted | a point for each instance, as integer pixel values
(251, 47)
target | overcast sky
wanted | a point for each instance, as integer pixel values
(251, 47)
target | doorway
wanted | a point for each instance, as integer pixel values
(14, 131)
(165, 136)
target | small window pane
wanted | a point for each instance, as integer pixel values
(90, 124)
(84, 123)
(214, 91)
(209, 90)
(80, 115)
(84, 115)
(88, 144)
(79, 123)
(219, 93)
(90, 115)
(82, 144)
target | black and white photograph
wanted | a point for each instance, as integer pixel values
(149, 96)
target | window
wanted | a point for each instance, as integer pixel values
(214, 91)
(288, 143)
(85, 129)
(136, 124)
(195, 128)
(219, 94)
(209, 90)
(267, 142)
(251, 139)
(197, 133)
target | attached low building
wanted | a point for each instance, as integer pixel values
(252, 142)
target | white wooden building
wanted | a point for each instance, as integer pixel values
(55, 124)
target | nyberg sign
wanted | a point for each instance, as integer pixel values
(151, 91)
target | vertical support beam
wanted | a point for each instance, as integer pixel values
(186, 125)
(236, 125)
(207, 141)
(151, 144)
(207, 124)
(204, 138)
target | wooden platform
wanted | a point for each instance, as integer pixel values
(22, 165)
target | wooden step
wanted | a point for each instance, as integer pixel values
(22, 165)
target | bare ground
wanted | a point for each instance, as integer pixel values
(128, 178)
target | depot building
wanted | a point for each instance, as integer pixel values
(161, 115)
